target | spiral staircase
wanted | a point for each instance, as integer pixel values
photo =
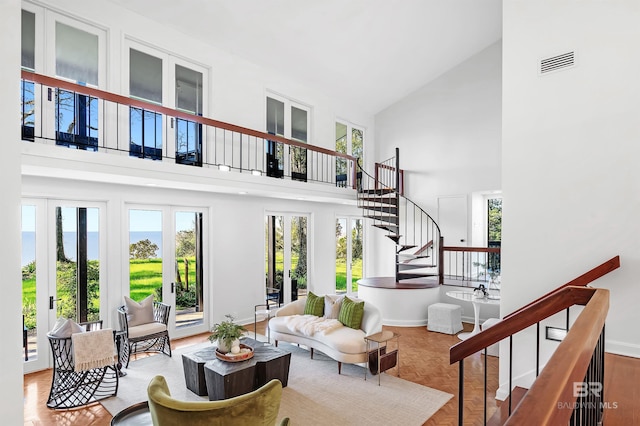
(419, 245)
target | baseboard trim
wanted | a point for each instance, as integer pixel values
(404, 323)
(622, 348)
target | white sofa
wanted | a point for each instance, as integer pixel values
(343, 344)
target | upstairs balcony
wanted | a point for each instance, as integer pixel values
(79, 132)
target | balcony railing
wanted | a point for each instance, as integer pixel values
(471, 265)
(59, 112)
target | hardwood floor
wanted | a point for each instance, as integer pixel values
(424, 359)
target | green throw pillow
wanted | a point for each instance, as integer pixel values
(314, 305)
(351, 313)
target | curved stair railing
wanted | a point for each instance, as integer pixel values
(419, 245)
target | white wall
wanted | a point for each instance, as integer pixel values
(11, 330)
(570, 156)
(448, 133)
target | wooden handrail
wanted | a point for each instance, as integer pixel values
(378, 166)
(535, 312)
(551, 399)
(473, 249)
(583, 280)
(123, 100)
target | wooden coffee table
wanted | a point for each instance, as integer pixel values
(193, 365)
(228, 379)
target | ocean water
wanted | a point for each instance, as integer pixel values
(93, 244)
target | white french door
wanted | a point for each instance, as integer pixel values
(187, 289)
(35, 291)
(349, 246)
(166, 259)
(291, 120)
(286, 254)
(63, 265)
(349, 140)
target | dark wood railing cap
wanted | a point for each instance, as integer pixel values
(123, 100)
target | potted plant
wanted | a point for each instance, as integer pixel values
(226, 334)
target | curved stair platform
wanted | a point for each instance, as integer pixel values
(402, 304)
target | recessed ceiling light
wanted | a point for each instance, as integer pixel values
(243, 192)
(151, 184)
(256, 172)
(224, 168)
(300, 199)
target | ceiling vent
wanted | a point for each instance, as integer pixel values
(557, 63)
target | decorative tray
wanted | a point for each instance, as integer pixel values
(246, 352)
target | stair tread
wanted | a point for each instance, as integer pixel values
(414, 256)
(408, 266)
(407, 275)
(378, 191)
(390, 228)
(384, 209)
(389, 218)
(381, 200)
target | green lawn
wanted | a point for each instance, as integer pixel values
(341, 274)
(146, 277)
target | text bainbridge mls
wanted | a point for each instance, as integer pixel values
(587, 405)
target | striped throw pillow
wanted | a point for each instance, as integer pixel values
(351, 313)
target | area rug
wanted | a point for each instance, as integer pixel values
(316, 394)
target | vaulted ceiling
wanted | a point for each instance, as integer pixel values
(373, 52)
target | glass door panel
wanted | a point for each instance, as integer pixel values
(299, 132)
(274, 268)
(356, 253)
(188, 98)
(341, 163)
(356, 143)
(188, 284)
(77, 58)
(298, 257)
(145, 245)
(341, 255)
(275, 150)
(29, 290)
(145, 127)
(77, 263)
(286, 239)
(348, 254)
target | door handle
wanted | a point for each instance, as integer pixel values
(173, 285)
(51, 300)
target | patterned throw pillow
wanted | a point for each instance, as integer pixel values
(314, 305)
(139, 313)
(351, 313)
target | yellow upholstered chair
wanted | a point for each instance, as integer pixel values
(257, 408)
